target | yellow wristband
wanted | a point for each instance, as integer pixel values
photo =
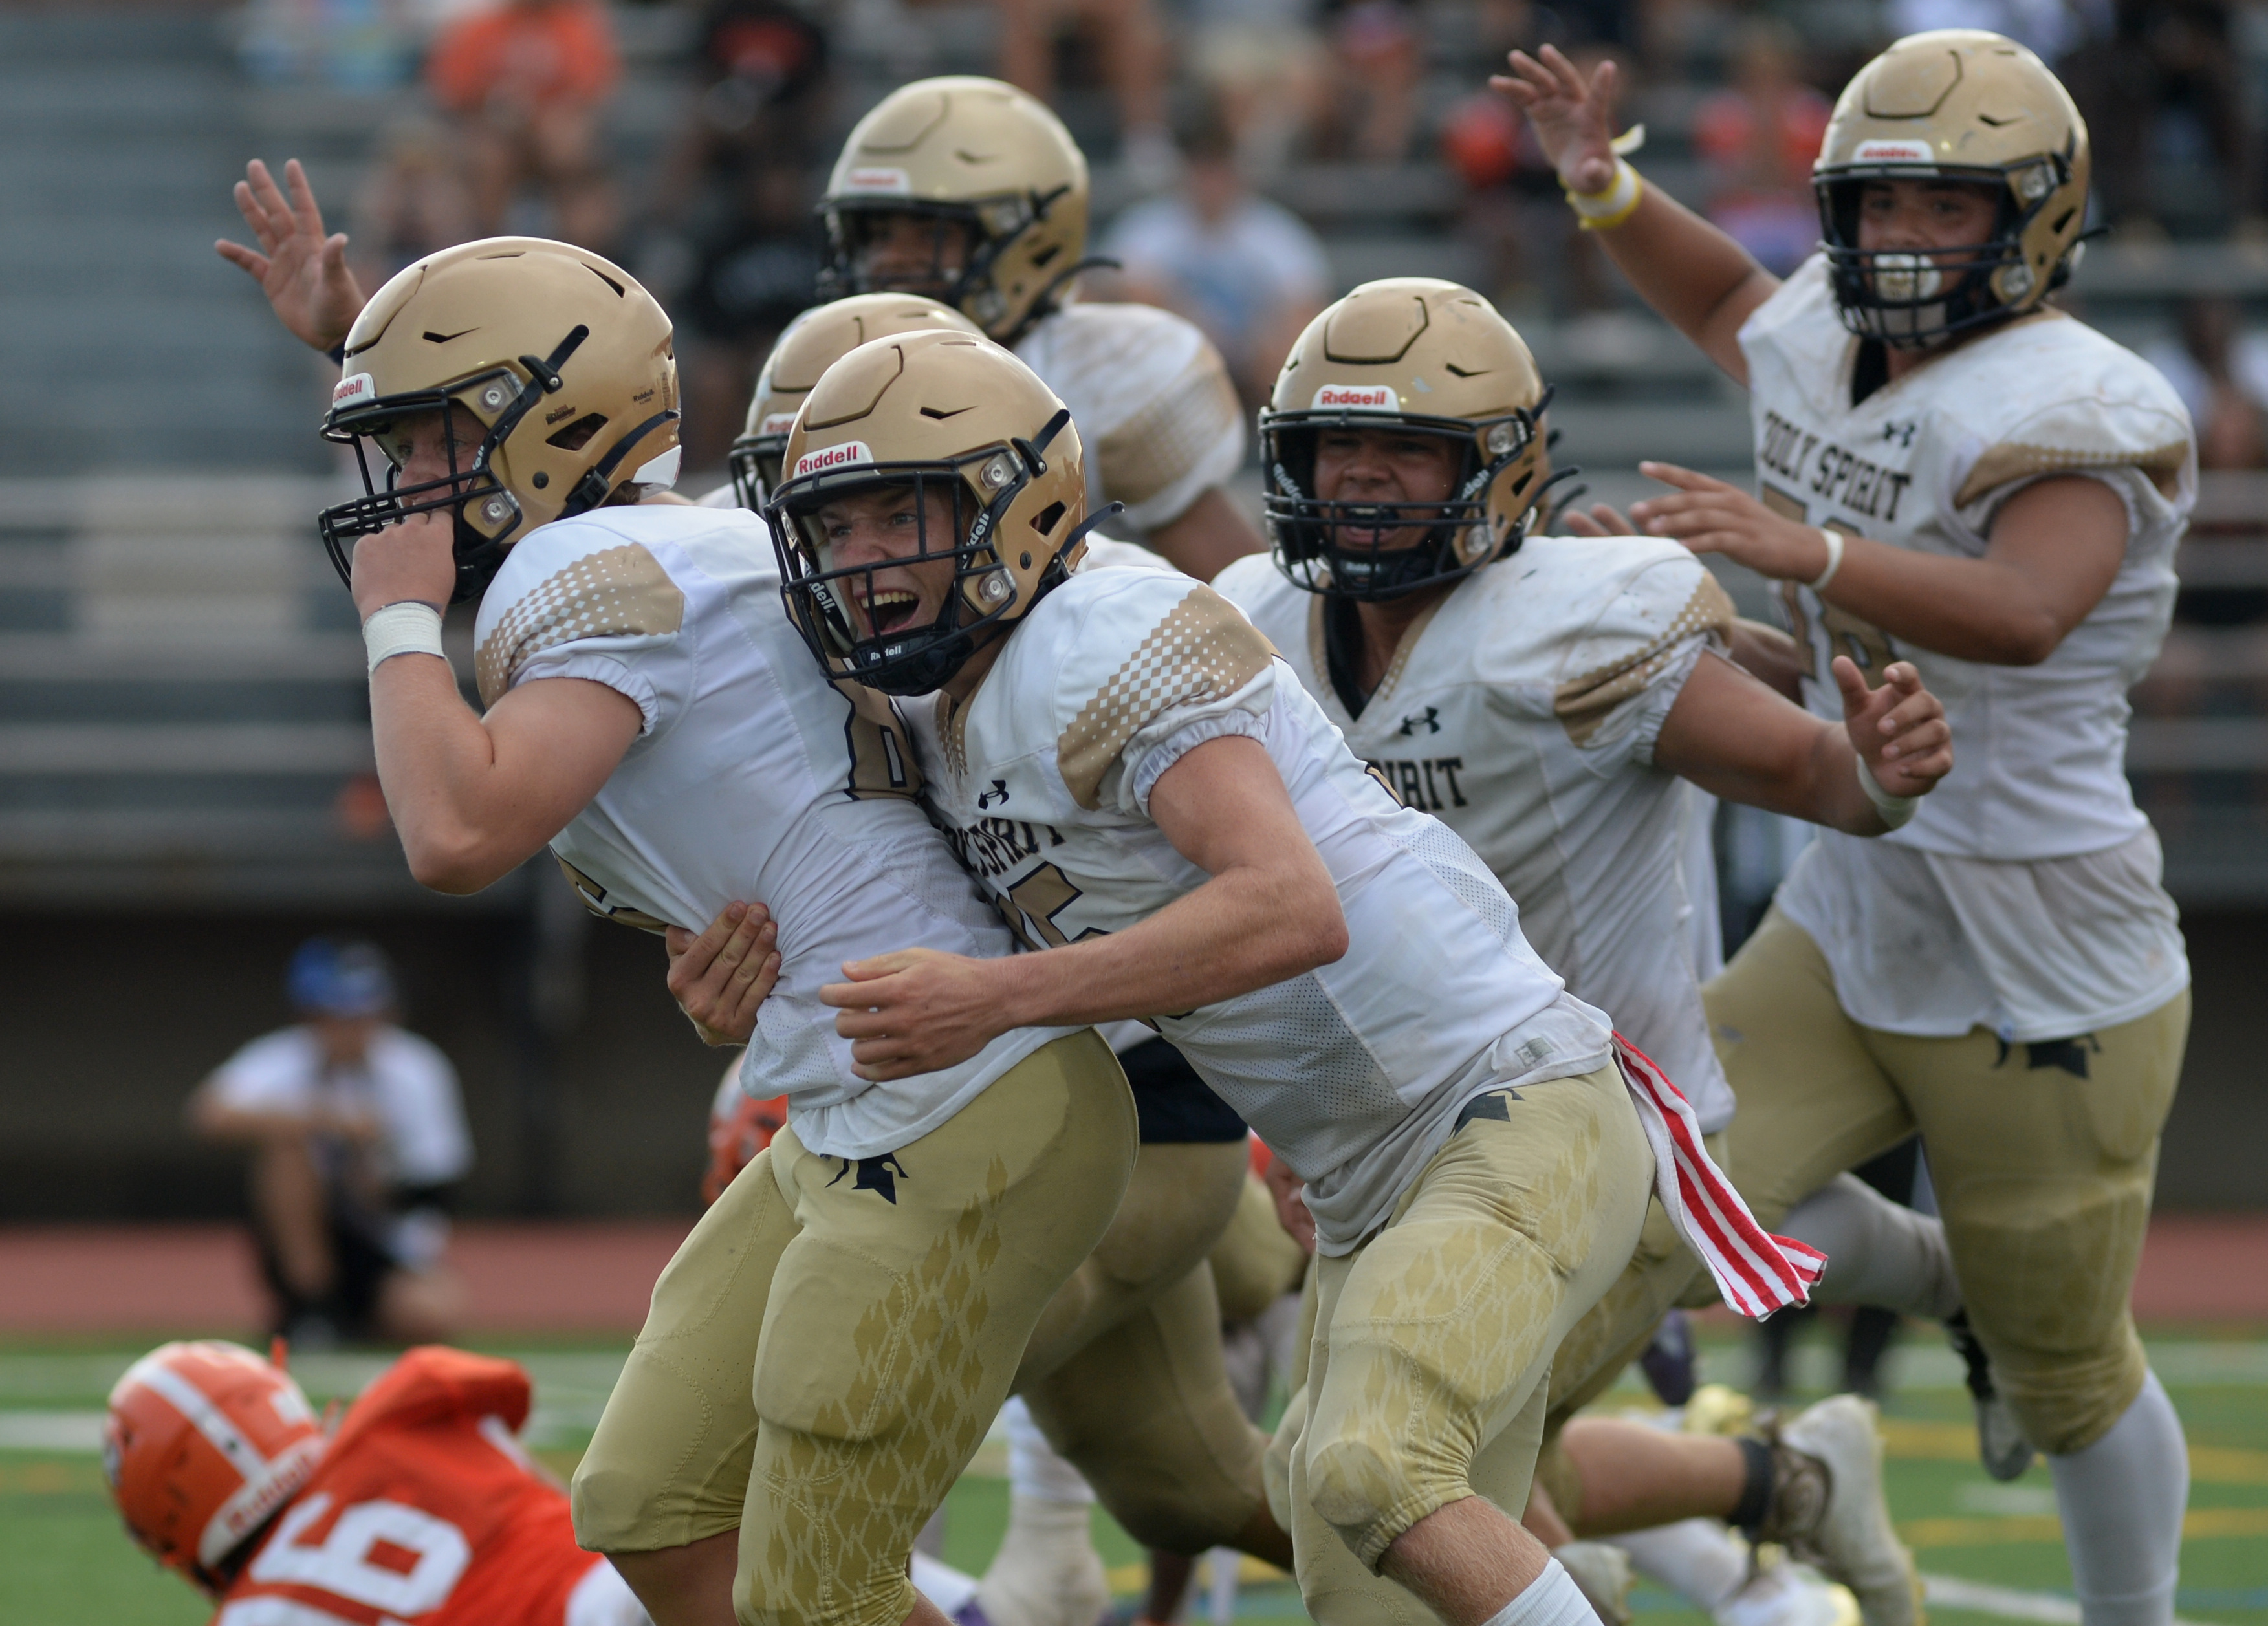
(1602, 211)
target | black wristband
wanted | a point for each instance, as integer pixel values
(1756, 1488)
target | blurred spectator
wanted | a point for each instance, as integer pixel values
(356, 45)
(357, 1135)
(2159, 75)
(1378, 59)
(2221, 374)
(1128, 40)
(738, 252)
(1248, 271)
(2049, 28)
(414, 202)
(1758, 138)
(1264, 66)
(526, 81)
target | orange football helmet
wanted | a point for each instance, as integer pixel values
(205, 1443)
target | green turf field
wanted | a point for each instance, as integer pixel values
(64, 1560)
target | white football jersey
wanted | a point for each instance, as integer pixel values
(753, 779)
(2039, 778)
(1157, 414)
(1354, 1072)
(1521, 712)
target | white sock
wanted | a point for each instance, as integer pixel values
(1699, 1559)
(2122, 1500)
(1552, 1599)
(1877, 1252)
(948, 1588)
(1034, 1470)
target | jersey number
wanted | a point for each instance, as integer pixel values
(1033, 904)
(383, 1555)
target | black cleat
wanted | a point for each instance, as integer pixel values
(2000, 1444)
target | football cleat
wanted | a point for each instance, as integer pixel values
(1839, 1519)
(1781, 1594)
(2000, 1442)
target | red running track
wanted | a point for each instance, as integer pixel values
(592, 1278)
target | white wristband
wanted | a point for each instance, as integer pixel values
(1896, 810)
(1834, 559)
(1600, 212)
(406, 628)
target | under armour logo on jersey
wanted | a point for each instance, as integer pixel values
(1902, 433)
(1490, 1106)
(880, 1174)
(998, 793)
(1431, 722)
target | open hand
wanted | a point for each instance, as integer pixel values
(1598, 520)
(413, 561)
(302, 272)
(1573, 119)
(916, 1010)
(1709, 516)
(720, 976)
(1899, 730)
(1289, 1193)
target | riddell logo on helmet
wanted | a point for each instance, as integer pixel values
(1362, 397)
(1894, 152)
(362, 386)
(843, 456)
(777, 423)
(893, 180)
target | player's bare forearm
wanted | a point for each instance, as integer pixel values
(1771, 657)
(1696, 278)
(1737, 740)
(473, 797)
(1210, 535)
(2054, 550)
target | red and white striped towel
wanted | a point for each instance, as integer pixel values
(1756, 1272)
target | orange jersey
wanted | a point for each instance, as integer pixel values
(425, 1511)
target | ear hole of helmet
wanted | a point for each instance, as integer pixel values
(576, 436)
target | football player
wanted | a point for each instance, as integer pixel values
(1192, 1477)
(1544, 696)
(1955, 475)
(1175, 831)
(653, 718)
(422, 1508)
(972, 191)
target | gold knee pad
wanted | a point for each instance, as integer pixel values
(2042, 1156)
(1435, 1336)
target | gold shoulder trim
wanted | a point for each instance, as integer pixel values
(614, 593)
(1202, 650)
(1164, 440)
(2012, 461)
(1585, 701)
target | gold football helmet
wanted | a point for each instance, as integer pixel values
(961, 157)
(911, 415)
(1954, 104)
(1423, 356)
(814, 341)
(560, 359)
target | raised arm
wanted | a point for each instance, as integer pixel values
(302, 269)
(1269, 911)
(1700, 281)
(473, 797)
(1735, 739)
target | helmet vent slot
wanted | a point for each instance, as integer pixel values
(1048, 518)
(1461, 372)
(621, 292)
(577, 434)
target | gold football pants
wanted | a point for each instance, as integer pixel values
(2042, 1155)
(1426, 1375)
(830, 1345)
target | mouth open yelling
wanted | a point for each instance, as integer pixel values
(889, 609)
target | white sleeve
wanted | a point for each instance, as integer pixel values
(580, 601)
(1625, 671)
(1174, 734)
(428, 1141)
(273, 1073)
